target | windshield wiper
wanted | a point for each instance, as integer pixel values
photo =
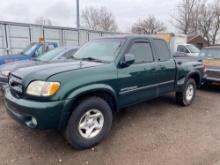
(92, 59)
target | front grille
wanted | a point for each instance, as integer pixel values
(213, 74)
(15, 84)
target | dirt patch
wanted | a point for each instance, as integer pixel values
(152, 133)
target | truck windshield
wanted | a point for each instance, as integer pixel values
(193, 49)
(29, 49)
(100, 50)
(210, 53)
(51, 54)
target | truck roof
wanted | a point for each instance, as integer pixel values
(130, 36)
(213, 47)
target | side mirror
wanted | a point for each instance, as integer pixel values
(128, 60)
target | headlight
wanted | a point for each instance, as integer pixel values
(5, 73)
(43, 88)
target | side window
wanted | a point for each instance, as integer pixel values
(50, 47)
(69, 54)
(162, 50)
(39, 51)
(180, 49)
(142, 52)
(186, 50)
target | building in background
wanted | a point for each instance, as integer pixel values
(198, 41)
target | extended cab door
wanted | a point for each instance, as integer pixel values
(166, 72)
(136, 82)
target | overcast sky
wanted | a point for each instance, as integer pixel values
(62, 12)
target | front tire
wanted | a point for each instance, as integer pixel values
(89, 123)
(186, 97)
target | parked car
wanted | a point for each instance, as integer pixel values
(61, 53)
(108, 74)
(189, 49)
(211, 60)
(31, 51)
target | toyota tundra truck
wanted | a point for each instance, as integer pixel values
(80, 97)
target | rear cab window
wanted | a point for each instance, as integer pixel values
(162, 50)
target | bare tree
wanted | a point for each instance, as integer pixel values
(90, 18)
(107, 20)
(99, 19)
(196, 12)
(209, 21)
(43, 21)
(198, 17)
(150, 25)
(184, 19)
(216, 21)
(205, 22)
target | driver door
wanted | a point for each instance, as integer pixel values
(137, 82)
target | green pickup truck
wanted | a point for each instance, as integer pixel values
(80, 97)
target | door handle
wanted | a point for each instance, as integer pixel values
(179, 63)
(152, 69)
(162, 67)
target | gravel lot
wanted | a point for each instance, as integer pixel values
(152, 133)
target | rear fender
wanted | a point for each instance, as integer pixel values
(181, 82)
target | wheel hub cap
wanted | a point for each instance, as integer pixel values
(91, 123)
(189, 93)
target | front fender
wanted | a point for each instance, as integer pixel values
(80, 91)
(92, 88)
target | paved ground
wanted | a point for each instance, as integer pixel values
(153, 133)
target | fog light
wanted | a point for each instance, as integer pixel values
(31, 122)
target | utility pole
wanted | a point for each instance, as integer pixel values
(78, 20)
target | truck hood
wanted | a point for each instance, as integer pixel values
(11, 58)
(44, 71)
(17, 64)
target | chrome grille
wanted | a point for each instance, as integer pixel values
(213, 74)
(15, 84)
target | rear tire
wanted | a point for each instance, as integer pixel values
(186, 97)
(89, 123)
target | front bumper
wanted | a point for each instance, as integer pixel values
(34, 114)
(3, 83)
(212, 75)
(208, 78)
(211, 79)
